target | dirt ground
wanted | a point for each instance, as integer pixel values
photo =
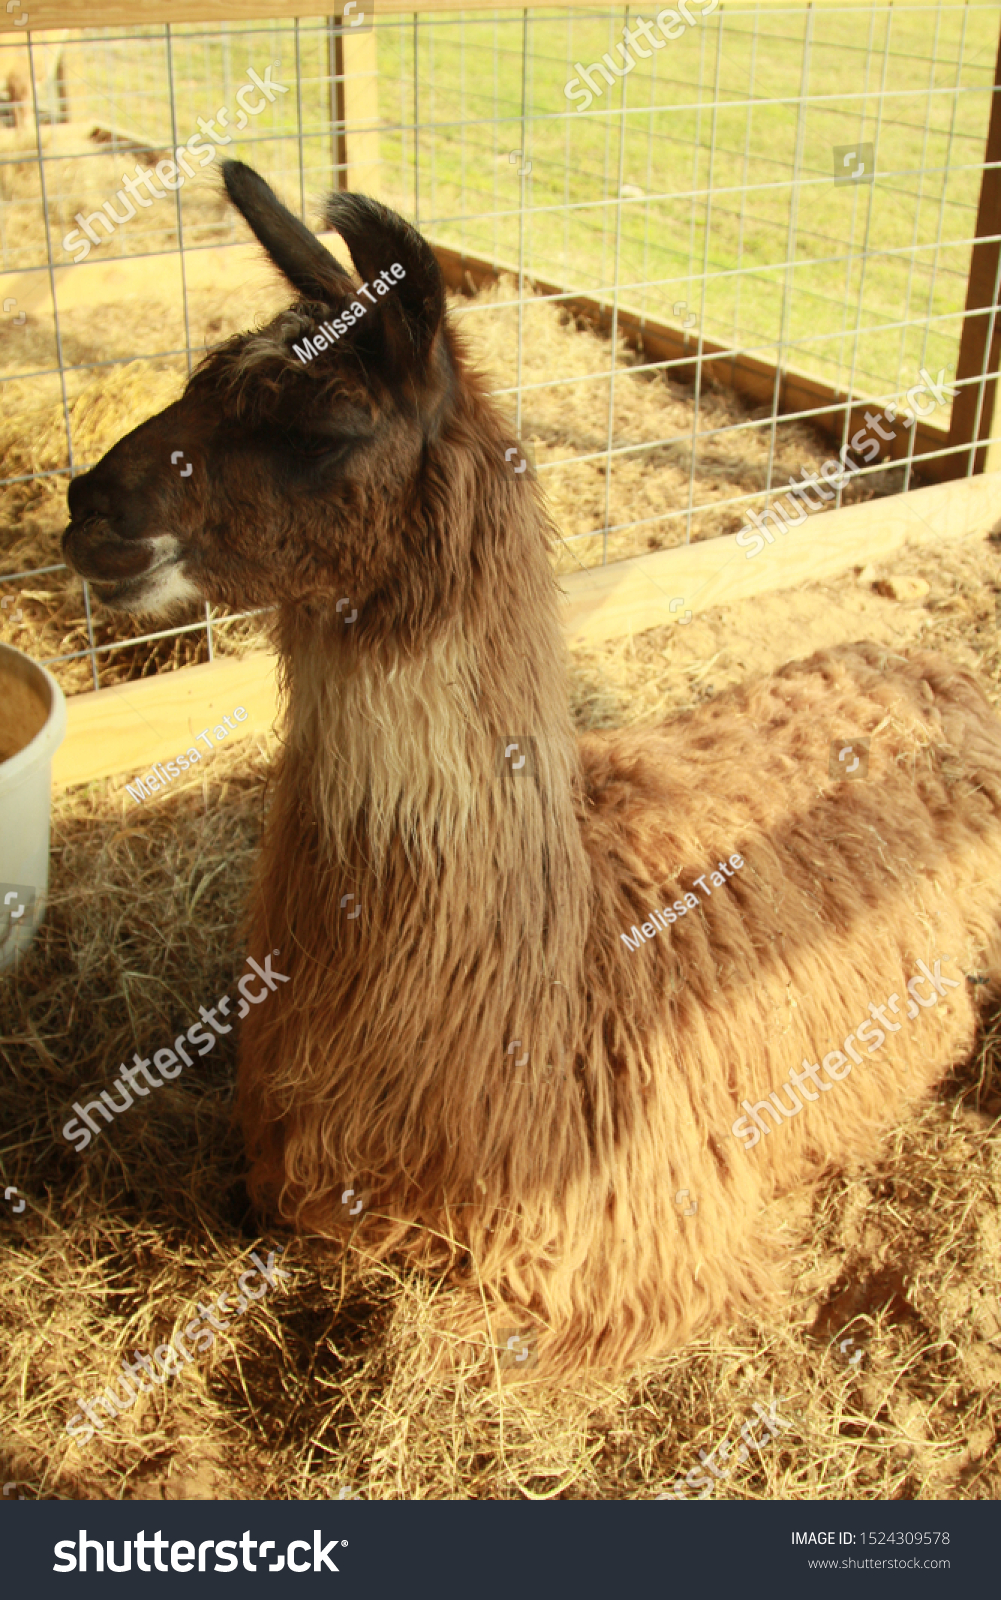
(324, 1387)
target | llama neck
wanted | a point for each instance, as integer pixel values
(404, 739)
(409, 751)
(472, 875)
(457, 984)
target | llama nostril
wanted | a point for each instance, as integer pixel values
(87, 499)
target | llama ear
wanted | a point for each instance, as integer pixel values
(377, 238)
(308, 266)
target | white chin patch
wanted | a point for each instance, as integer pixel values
(167, 588)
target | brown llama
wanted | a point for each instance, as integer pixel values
(467, 1040)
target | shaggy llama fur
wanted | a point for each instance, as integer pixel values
(492, 907)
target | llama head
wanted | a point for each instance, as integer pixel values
(281, 478)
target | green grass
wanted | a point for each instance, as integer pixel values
(843, 274)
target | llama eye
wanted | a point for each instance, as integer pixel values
(311, 446)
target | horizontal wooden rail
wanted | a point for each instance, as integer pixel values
(143, 13)
(127, 728)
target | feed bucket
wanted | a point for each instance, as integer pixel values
(32, 727)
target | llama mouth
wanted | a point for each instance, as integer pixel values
(159, 586)
(158, 590)
(122, 591)
(124, 594)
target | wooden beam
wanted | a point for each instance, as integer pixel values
(357, 86)
(126, 729)
(980, 345)
(144, 13)
(246, 271)
(629, 596)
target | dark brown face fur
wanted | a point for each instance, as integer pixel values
(308, 484)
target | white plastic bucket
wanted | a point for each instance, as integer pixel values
(32, 727)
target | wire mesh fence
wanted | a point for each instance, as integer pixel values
(771, 212)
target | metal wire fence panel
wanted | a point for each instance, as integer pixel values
(787, 191)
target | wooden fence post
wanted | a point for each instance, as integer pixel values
(354, 93)
(975, 358)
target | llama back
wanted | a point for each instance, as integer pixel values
(749, 774)
(772, 967)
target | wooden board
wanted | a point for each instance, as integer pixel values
(143, 13)
(628, 596)
(359, 107)
(975, 407)
(243, 268)
(124, 730)
(96, 282)
(127, 728)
